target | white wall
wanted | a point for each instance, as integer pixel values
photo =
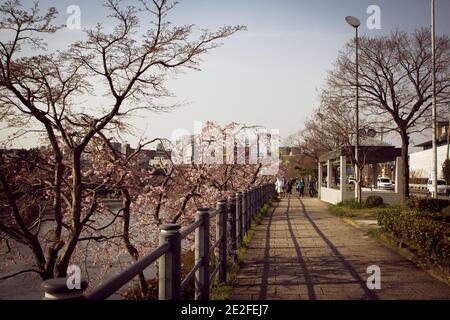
(389, 197)
(332, 196)
(421, 161)
(349, 194)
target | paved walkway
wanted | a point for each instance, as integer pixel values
(301, 251)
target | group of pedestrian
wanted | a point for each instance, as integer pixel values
(284, 186)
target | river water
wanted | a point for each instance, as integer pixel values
(28, 286)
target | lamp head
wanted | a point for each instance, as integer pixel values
(354, 22)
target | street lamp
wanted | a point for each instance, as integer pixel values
(434, 124)
(355, 23)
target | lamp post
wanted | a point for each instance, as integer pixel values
(355, 23)
(434, 124)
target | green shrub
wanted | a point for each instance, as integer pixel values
(374, 201)
(444, 215)
(427, 204)
(420, 229)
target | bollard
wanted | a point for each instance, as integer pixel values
(170, 263)
(57, 289)
(202, 255)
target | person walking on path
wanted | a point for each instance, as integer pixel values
(288, 186)
(279, 185)
(311, 187)
(301, 187)
(291, 184)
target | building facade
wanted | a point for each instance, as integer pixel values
(420, 162)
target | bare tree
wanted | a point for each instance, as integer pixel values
(44, 92)
(395, 82)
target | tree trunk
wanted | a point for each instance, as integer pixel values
(53, 251)
(126, 202)
(63, 263)
(405, 172)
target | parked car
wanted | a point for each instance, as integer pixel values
(442, 187)
(385, 183)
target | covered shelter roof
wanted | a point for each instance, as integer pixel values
(370, 151)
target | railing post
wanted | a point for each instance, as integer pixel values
(244, 213)
(251, 206)
(232, 227)
(202, 255)
(221, 235)
(257, 201)
(261, 202)
(58, 289)
(240, 202)
(269, 191)
(256, 207)
(170, 263)
(263, 194)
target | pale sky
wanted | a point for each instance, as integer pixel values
(269, 75)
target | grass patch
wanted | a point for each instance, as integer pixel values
(346, 211)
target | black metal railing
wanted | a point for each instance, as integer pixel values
(233, 217)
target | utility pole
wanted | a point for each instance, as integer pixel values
(358, 171)
(448, 132)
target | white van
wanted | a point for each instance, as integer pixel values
(442, 187)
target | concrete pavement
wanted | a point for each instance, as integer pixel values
(301, 251)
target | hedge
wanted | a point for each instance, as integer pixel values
(425, 230)
(374, 201)
(428, 204)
